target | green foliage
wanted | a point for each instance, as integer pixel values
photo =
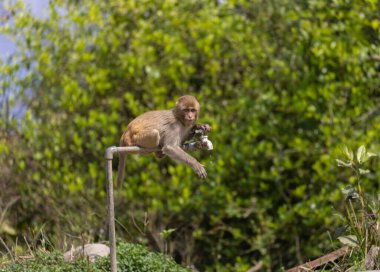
(137, 258)
(361, 212)
(131, 258)
(283, 84)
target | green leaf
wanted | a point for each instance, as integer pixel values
(363, 171)
(349, 240)
(7, 229)
(348, 152)
(350, 192)
(166, 233)
(343, 164)
(368, 156)
(361, 154)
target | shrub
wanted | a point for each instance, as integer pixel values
(361, 212)
(131, 258)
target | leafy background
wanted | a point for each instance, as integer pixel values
(284, 85)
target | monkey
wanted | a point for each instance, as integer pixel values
(166, 130)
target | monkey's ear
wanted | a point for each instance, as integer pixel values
(179, 100)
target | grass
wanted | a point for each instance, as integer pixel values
(131, 258)
(360, 216)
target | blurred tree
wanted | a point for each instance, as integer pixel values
(283, 83)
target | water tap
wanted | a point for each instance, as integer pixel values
(204, 139)
(206, 142)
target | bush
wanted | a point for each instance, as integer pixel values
(131, 258)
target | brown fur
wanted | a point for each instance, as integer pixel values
(164, 129)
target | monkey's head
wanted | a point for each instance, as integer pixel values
(187, 110)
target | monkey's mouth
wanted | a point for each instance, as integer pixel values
(189, 122)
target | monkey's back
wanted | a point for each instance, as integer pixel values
(159, 120)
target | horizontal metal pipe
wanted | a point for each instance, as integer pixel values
(127, 149)
(135, 149)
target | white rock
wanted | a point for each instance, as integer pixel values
(90, 251)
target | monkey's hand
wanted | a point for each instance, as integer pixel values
(206, 128)
(202, 129)
(200, 169)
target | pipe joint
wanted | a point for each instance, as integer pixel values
(109, 152)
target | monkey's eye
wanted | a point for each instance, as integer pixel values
(189, 110)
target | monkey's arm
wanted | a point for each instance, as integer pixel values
(177, 154)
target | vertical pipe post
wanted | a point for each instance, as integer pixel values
(111, 208)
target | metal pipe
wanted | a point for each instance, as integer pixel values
(111, 209)
(110, 197)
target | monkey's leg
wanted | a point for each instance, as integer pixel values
(177, 154)
(147, 138)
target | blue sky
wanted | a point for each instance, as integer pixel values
(38, 8)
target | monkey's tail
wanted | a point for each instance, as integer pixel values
(121, 166)
(121, 170)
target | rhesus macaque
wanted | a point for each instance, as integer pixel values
(167, 130)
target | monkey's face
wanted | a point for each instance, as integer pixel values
(187, 109)
(190, 115)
